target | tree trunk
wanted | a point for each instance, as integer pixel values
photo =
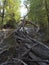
(47, 12)
(2, 17)
(3, 13)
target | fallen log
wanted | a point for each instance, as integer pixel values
(27, 51)
(34, 57)
(40, 51)
(33, 40)
(20, 61)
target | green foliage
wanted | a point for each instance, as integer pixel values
(11, 10)
(14, 8)
(37, 11)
